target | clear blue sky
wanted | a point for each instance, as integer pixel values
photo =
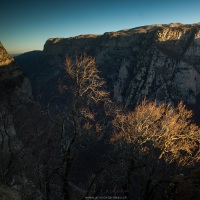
(26, 25)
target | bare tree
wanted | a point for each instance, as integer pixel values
(160, 126)
(83, 92)
(153, 134)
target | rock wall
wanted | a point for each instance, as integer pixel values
(15, 93)
(15, 89)
(158, 61)
(14, 85)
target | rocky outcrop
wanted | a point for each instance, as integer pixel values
(14, 85)
(5, 58)
(158, 61)
(15, 94)
(7, 193)
(15, 90)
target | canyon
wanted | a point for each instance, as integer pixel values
(158, 62)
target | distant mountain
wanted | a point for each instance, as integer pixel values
(14, 54)
(27, 59)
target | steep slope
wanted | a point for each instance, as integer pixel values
(15, 91)
(14, 85)
(16, 101)
(158, 61)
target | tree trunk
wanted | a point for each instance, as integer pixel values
(67, 167)
(47, 186)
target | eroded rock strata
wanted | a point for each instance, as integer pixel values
(159, 61)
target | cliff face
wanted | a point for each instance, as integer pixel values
(5, 58)
(14, 85)
(159, 61)
(15, 90)
(15, 98)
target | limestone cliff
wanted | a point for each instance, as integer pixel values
(14, 85)
(158, 61)
(15, 92)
